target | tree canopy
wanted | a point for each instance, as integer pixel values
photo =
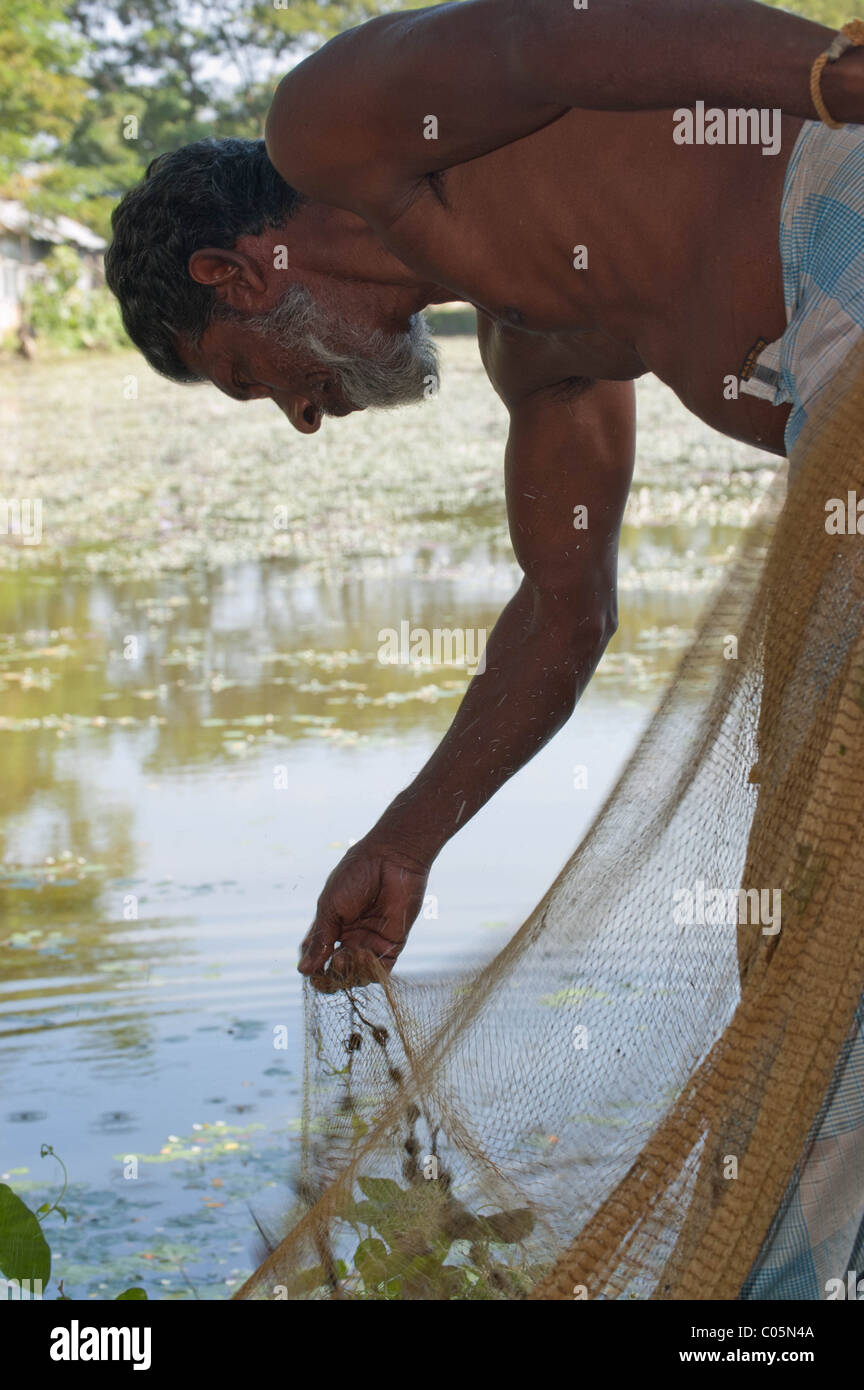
(91, 91)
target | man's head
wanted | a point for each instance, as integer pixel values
(225, 273)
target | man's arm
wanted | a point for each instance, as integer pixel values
(348, 125)
(565, 450)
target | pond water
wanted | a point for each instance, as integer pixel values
(195, 723)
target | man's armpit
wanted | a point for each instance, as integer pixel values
(569, 389)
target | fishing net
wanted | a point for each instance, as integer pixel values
(614, 1106)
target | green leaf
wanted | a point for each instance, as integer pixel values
(359, 1213)
(132, 1293)
(461, 1224)
(372, 1259)
(505, 1227)
(24, 1252)
(383, 1191)
(428, 1279)
(509, 1227)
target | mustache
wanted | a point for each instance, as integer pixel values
(372, 368)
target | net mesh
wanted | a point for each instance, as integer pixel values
(613, 1107)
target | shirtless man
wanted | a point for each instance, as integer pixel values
(466, 152)
(530, 157)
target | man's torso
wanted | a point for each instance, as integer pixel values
(680, 273)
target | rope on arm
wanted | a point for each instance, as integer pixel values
(850, 36)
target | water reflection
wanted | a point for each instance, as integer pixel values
(194, 723)
(108, 684)
(157, 875)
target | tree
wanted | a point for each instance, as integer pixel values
(41, 96)
(831, 12)
(164, 72)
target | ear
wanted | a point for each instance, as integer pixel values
(237, 273)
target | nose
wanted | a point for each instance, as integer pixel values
(304, 415)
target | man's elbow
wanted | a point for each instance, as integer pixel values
(591, 634)
(578, 643)
(577, 623)
(608, 627)
(588, 642)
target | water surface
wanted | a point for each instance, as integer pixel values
(194, 725)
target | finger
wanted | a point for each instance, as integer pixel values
(317, 945)
(323, 982)
(340, 974)
(373, 943)
(349, 969)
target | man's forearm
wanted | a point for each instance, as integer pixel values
(534, 674)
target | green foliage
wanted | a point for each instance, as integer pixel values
(47, 1207)
(40, 93)
(412, 1247)
(834, 13)
(416, 1242)
(24, 1251)
(67, 316)
(162, 73)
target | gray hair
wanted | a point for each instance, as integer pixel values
(373, 368)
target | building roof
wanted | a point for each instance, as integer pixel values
(59, 230)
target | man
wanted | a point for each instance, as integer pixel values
(535, 159)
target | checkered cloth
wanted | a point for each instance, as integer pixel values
(818, 1232)
(822, 252)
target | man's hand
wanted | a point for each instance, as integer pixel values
(368, 905)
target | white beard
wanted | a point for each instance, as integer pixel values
(372, 368)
